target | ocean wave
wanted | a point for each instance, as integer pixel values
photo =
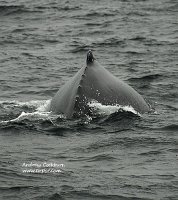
(150, 153)
(36, 114)
(110, 42)
(71, 193)
(15, 9)
(137, 13)
(18, 9)
(171, 127)
(39, 104)
(6, 10)
(148, 41)
(30, 116)
(138, 38)
(88, 194)
(100, 14)
(95, 158)
(31, 110)
(149, 77)
(107, 42)
(80, 48)
(58, 8)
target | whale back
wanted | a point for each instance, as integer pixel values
(64, 100)
(100, 85)
(94, 82)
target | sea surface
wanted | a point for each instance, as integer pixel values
(116, 154)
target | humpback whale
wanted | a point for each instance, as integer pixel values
(94, 82)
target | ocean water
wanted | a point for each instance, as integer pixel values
(115, 154)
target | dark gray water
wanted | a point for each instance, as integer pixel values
(112, 155)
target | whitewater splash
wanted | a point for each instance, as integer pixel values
(40, 110)
(110, 109)
(39, 104)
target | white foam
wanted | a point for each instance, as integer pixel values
(34, 103)
(109, 109)
(33, 115)
(41, 110)
(43, 106)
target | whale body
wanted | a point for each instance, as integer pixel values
(94, 82)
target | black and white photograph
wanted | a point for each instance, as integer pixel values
(88, 100)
